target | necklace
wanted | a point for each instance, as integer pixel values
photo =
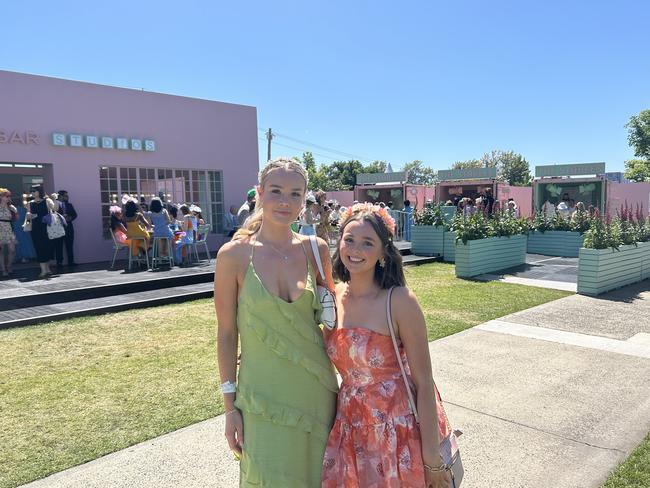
(283, 255)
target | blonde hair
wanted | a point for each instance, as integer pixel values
(254, 222)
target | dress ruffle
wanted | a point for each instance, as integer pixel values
(273, 411)
(382, 455)
(303, 354)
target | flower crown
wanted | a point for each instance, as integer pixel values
(380, 212)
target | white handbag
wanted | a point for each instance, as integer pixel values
(56, 228)
(325, 296)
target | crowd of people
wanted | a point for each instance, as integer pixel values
(135, 224)
(41, 228)
(566, 208)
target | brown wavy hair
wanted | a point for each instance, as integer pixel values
(392, 273)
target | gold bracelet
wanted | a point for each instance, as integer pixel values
(435, 469)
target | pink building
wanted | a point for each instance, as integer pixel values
(99, 142)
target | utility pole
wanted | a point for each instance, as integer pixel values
(269, 136)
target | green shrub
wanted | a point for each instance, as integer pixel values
(431, 214)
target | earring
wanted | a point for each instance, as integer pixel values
(382, 262)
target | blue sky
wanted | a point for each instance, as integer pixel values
(436, 81)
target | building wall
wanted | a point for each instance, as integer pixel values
(523, 196)
(344, 197)
(189, 133)
(632, 193)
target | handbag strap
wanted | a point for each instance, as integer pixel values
(314, 248)
(411, 398)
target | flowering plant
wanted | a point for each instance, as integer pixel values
(380, 212)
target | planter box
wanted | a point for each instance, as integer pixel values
(645, 268)
(427, 240)
(489, 255)
(555, 243)
(449, 251)
(601, 270)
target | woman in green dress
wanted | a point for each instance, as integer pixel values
(281, 403)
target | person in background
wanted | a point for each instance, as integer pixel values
(488, 201)
(8, 214)
(408, 219)
(137, 226)
(563, 206)
(230, 222)
(335, 215)
(67, 210)
(512, 208)
(40, 207)
(548, 210)
(309, 217)
(118, 225)
(469, 209)
(24, 246)
(449, 203)
(247, 208)
(572, 206)
(160, 220)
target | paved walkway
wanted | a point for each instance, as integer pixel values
(556, 395)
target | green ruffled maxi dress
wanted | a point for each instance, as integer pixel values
(286, 387)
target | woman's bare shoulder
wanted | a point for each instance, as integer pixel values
(235, 251)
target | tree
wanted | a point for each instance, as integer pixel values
(342, 175)
(418, 174)
(316, 176)
(514, 169)
(375, 167)
(637, 170)
(511, 167)
(638, 134)
(469, 164)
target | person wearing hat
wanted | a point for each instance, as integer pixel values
(247, 208)
(309, 217)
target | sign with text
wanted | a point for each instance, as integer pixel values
(569, 169)
(467, 174)
(372, 178)
(24, 137)
(103, 142)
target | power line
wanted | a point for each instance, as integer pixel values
(324, 148)
(301, 149)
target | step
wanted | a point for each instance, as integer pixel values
(40, 314)
(70, 287)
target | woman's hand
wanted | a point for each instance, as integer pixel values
(439, 479)
(28, 216)
(235, 431)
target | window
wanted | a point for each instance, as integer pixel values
(200, 187)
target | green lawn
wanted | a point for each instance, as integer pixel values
(635, 471)
(74, 390)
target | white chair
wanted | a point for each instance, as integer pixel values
(117, 247)
(156, 257)
(202, 239)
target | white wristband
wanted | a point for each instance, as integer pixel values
(228, 387)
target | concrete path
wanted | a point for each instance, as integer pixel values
(557, 395)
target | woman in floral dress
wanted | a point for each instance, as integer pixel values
(376, 441)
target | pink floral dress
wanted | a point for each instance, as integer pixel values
(375, 441)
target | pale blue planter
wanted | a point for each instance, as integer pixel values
(602, 270)
(555, 243)
(427, 240)
(489, 255)
(449, 251)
